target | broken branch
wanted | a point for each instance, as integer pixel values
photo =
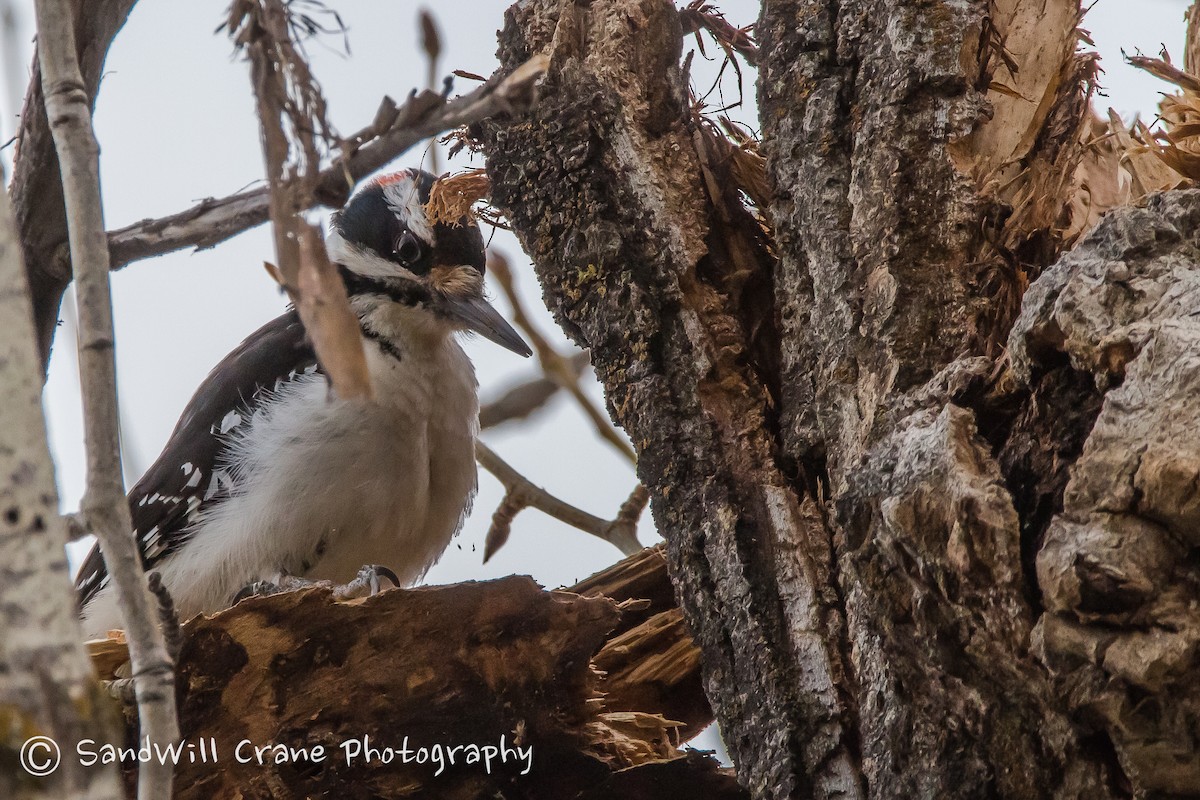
(521, 493)
(291, 110)
(452, 665)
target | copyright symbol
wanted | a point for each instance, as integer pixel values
(40, 756)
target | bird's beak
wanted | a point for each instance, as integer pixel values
(477, 315)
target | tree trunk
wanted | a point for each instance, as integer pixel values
(49, 698)
(870, 528)
(37, 193)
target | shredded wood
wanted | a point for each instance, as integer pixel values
(1024, 149)
(108, 654)
(725, 148)
(701, 15)
(1176, 140)
(624, 739)
(453, 197)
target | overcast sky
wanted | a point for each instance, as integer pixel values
(175, 125)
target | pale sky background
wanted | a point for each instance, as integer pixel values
(175, 123)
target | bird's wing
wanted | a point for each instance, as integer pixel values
(188, 475)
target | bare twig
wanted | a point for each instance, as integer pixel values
(421, 116)
(1162, 68)
(1191, 49)
(520, 494)
(525, 398)
(556, 367)
(291, 112)
(104, 504)
(431, 43)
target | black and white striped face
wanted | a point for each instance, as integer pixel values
(387, 250)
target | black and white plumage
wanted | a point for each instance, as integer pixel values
(267, 475)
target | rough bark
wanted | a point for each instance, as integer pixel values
(648, 259)
(886, 148)
(47, 686)
(924, 159)
(1117, 572)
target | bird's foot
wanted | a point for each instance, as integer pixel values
(279, 583)
(367, 583)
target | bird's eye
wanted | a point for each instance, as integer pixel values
(408, 249)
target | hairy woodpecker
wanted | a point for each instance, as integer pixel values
(266, 475)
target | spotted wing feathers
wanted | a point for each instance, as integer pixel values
(189, 474)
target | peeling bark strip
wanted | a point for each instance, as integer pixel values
(292, 120)
(1118, 573)
(642, 265)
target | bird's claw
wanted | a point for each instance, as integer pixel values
(257, 589)
(367, 583)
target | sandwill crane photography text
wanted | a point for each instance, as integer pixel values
(41, 756)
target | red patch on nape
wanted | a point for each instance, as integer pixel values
(396, 177)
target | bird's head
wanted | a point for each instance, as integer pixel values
(393, 259)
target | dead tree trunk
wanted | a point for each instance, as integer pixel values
(870, 527)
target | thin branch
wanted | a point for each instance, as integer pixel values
(1191, 47)
(519, 402)
(556, 367)
(520, 494)
(422, 115)
(104, 504)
